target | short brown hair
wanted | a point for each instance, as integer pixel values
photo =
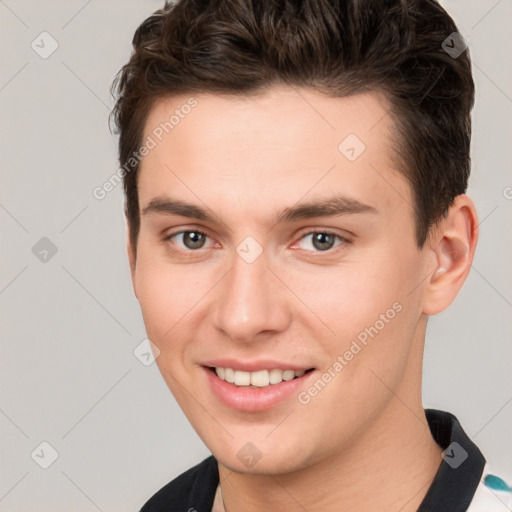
(336, 47)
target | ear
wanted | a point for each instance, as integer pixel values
(131, 256)
(453, 243)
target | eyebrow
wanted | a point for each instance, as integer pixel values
(337, 205)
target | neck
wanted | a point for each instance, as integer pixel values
(389, 467)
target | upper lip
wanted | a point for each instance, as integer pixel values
(254, 366)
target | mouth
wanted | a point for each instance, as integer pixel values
(258, 379)
(256, 391)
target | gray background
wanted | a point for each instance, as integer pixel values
(70, 324)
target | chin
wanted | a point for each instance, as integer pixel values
(263, 459)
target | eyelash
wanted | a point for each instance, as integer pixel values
(191, 252)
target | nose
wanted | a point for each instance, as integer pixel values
(251, 301)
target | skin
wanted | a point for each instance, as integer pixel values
(297, 302)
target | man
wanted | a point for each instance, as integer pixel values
(295, 177)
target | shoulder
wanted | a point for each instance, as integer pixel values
(193, 490)
(493, 494)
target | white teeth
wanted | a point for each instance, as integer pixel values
(229, 375)
(288, 375)
(260, 379)
(242, 378)
(275, 376)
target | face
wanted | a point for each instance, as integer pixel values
(277, 234)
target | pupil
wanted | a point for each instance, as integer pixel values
(195, 239)
(322, 238)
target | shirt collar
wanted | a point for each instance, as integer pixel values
(460, 471)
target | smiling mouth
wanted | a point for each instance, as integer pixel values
(259, 379)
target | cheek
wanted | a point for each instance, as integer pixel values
(348, 298)
(367, 312)
(166, 294)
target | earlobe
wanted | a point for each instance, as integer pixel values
(453, 244)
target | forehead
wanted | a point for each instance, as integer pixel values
(303, 112)
(270, 148)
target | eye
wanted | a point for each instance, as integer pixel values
(194, 240)
(191, 239)
(323, 241)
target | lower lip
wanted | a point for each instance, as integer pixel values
(254, 399)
